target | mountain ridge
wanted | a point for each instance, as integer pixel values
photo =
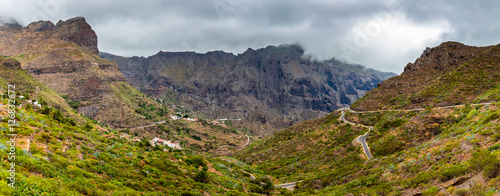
(262, 86)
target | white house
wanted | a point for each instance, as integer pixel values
(36, 104)
(192, 119)
(158, 141)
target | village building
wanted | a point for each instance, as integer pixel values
(158, 141)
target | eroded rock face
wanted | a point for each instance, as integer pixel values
(78, 31)
(275, 86)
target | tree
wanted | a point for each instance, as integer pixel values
(268, 187)
(201, 176)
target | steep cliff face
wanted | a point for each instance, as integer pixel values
(63, 57)
(273, 86)
(451, 73)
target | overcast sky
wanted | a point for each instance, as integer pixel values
(383, 34)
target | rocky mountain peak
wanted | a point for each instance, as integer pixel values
(78, 31)
(448, 74)
(40, 26)
(75, 30)
(447, 55)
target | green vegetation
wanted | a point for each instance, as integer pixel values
(411, 149)
(140, 103)
(85, 160)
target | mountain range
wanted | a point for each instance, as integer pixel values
(269, 88)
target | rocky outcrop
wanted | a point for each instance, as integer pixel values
(78, 31)
(274, 86)
(446, 56)
(75, 30)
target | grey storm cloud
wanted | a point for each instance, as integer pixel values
(381, 34)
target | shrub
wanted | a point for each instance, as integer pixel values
(422, 177)
(495, 136)
(494, 147)
(195, 137)
(450, 190)
(461, 192)
(431, 191)
(490, 117)
(197, 161)
(388, 146)
(451, 172)
(481, 159)
(201, 176)
(492, 170)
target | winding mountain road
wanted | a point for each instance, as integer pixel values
(362, 138)
(289, 186)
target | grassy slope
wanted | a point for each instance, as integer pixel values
(10, 75)
(65, 159)
(415, 152)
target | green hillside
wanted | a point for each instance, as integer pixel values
(415, 151)
(434, 150)
(62, 153)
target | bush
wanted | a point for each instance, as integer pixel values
(195, 137)
(451, 172)
(492, 170)
(494, 147)
(431, 191)
(422, 177)
(197, 161)
(490, 117)
(461, 192)
(388, 146)
(74, 104)
(495, 136)
(201, 176)
(481, 159)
